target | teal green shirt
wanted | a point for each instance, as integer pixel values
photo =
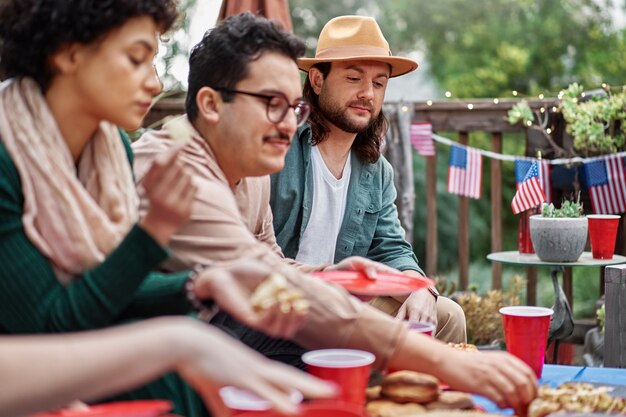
(371, 227)
(32, 300)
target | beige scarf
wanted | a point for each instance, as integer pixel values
(74, 220)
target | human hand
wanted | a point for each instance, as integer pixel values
(419, 306)
(231, 287)
(210, 360)
(367, 266)
(170, 191)
(499, 376)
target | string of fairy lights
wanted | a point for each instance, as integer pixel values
(542, 116)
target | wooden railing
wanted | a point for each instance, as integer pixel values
(465, 117)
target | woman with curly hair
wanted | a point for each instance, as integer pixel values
(73, 254)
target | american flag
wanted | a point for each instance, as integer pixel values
(465, 172)
(607, 184)
(529, 193)
(422, 138)
(523, 165)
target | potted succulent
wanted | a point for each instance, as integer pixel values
(559, 234)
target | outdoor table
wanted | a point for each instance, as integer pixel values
(564, 329)
(530, 259)
(555, 375)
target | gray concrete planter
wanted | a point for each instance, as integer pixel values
(558, 239)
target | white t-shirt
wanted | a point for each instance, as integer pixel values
(318, 242)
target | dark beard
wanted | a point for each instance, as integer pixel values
(337, 116)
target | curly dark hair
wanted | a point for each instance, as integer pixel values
(221, 58)
(32, 30)
(367, 143)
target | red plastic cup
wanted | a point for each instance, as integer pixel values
(422, 327)
(349, 369)
(240, 400)
(524, 244)
(602, 234)
(526, 333)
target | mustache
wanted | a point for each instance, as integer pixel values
(279, 135)
(362, 103)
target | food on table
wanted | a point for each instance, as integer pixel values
(388, 408)
(458, 413)
(452, 400)
(468, 347)
(178, 129)
(409, 386)
(373, 393)
(575, 397)
(275, 290)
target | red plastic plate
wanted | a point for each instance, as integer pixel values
(385, 284)
(148, 408)
(314, 409)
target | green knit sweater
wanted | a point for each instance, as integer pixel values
(121, 288)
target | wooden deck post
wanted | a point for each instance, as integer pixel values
(463, 231)
(431, 216)
(615, 319)
(496, 209)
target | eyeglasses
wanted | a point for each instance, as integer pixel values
(278, 105)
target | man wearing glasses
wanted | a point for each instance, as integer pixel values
(243, 106)
(336, 198)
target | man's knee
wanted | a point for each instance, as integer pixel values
(450, 321)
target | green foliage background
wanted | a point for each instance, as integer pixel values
(488, 48)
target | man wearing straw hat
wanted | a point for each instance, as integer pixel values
(335, 196)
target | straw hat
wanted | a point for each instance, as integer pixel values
(355, 38)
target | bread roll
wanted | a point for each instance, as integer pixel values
(409, 386)
(452, 400)
(387, 408)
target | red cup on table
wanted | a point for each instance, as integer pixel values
(526, 333)
(349, 369)
(602, 234)
(423, 327)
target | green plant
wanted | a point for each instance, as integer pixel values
(568, 209)
(484, 323)
(521, 113)
(597, 123)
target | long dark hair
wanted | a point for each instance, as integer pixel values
(367, 143)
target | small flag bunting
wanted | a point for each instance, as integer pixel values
(529, 192)
(607, 184)
(465, 172)
(422, 138)
(521, 169)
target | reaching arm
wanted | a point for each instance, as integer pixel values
(498, 376)
(43, 372)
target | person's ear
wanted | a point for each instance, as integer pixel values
(209, 102)
(316, 78)
(65, 59)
